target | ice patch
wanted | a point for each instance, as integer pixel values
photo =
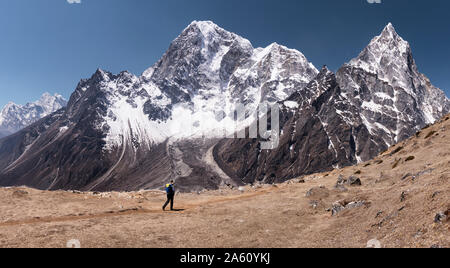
(291, 104)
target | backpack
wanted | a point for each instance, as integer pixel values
(169, 189)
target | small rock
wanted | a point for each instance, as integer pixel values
(341, 180)
(435, 194)
(336, 208)
(301, 181)
(241, 189)
(20, 194)
(314, 204)
(441, 217)
(341, 188)
(354, 205)
(352, 181)
(403, 197)
(436, 246)
(406, 176)
(419, 233)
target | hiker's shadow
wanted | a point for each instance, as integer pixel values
(178, 210)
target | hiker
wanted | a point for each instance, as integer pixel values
(170, 190)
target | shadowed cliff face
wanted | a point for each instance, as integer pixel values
(314, 138)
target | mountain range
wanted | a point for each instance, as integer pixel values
(14, 117)
(127, 132)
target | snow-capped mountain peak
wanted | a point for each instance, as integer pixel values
(390, 31)
(206, 28)
(206, 69)
(14, 117)
(388, 56)
(385, 81)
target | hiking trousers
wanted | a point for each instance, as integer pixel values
(170, 198)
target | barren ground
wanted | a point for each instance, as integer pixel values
(397, 210)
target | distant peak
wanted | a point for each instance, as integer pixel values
(325, 69)
(10, 104)
(209, 29)
(275, 47)
(126, 73)
(46, 95)
(274, 44)
(101, 75)
(48, 100)
(389, 31)
(100, 71)
(59, 96)
(325, 72)
(202, 23)
(389, 26)
(203, 26)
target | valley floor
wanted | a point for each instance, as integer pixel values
(402, 193)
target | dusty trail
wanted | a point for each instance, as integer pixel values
(135, 211)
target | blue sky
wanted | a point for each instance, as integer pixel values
(49, 45)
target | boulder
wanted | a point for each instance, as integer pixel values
(336, 208)
(354, 181)
(441, 217)
(351, 181)
(339, 206)
(20, 194)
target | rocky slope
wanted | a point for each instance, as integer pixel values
(124, 132)
(14, 117)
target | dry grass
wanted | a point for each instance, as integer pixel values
(399, 213)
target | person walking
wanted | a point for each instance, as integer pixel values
(170, 190)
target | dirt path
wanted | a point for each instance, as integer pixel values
(136, 211)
